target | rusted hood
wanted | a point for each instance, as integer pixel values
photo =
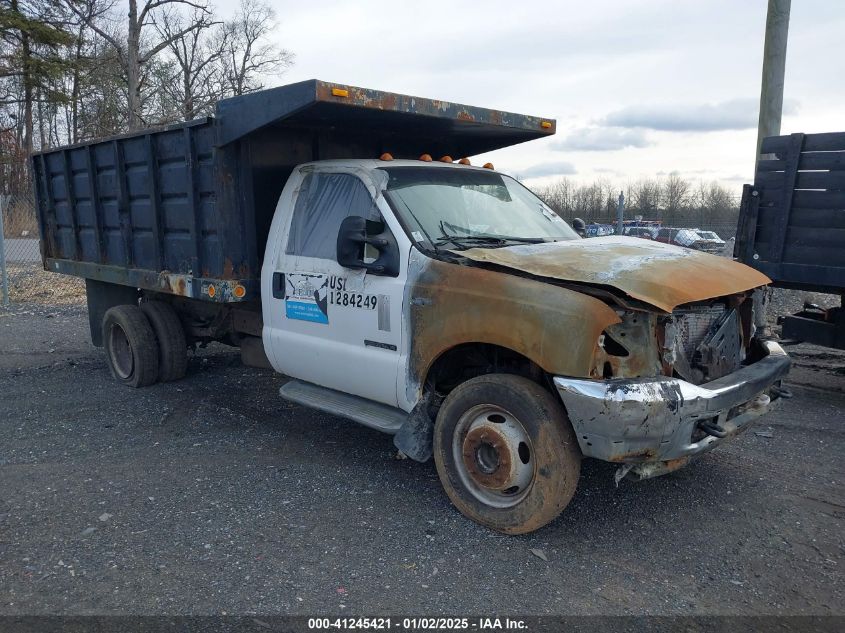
(662, 275)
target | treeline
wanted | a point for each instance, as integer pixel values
(72, 70)
(672, 199)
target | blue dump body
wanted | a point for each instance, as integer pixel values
(792, 220)
(186, 209)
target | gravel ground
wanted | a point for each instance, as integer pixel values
(213, 495)
(30, 283)
(783, 302)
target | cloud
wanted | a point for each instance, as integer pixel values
(601, 139)
(608, 170)
(547, 169)
(736, 114)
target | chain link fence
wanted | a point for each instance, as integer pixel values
(22, 276)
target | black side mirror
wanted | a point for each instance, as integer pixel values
(356, 232)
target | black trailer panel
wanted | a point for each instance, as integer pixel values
(792, 227)
(792, 220)
(186, 209)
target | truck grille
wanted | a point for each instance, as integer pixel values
(693, 325)
(710, 339)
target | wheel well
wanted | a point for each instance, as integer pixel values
(469, 360)
(450, 369)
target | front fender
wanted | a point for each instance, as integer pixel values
(449, 305)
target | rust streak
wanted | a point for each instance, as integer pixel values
(644, 455)
(228, 269)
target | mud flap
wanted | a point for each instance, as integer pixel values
(101, 296)
(415, 437)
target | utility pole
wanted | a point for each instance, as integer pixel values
(774, 68)
(4, 275)
(620, 215)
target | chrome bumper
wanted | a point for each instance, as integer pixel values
(653, 425)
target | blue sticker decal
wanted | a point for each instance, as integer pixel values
(306, 297)
(305, 311)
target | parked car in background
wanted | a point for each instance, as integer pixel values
(710, 241)
(599, 230)
(640, 231)
(690, 238)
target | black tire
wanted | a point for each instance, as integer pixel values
(172, 347)
(482, 428)
(131, 347)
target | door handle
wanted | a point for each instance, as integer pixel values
(278, 285)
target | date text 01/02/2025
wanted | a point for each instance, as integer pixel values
(418, 624)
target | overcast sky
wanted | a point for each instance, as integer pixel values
(639, 88)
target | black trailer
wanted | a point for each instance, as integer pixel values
(185, 210)
(792, 227)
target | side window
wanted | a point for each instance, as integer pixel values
(323, 202)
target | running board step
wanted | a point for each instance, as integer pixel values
(372, 414)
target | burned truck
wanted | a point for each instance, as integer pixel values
(342, 237)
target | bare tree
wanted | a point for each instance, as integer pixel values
(247, 55)
(197, 60)
(676, 196)
(645, 196)
(140, 48)
(716, 203)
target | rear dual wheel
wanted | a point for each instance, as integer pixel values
(144, 344)
(506, 453)
(172, 347)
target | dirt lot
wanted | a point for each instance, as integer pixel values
(213, 495)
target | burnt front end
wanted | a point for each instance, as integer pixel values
(668, 387)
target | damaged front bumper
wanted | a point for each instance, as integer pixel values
(653, 426)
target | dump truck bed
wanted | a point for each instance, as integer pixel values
(792, 220)
(186, 209)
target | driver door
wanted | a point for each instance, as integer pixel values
(329, 325)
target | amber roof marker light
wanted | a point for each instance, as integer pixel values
(386, 156)
(546, 125)
(425, 158)
(488, 166)
(340, 92)
(464, 161)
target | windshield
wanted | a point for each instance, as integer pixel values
(468, 206)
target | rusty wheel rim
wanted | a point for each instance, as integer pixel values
(120, 352)
(493, 455)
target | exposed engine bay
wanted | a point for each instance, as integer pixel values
(698, 343)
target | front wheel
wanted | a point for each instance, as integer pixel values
(506, 453)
